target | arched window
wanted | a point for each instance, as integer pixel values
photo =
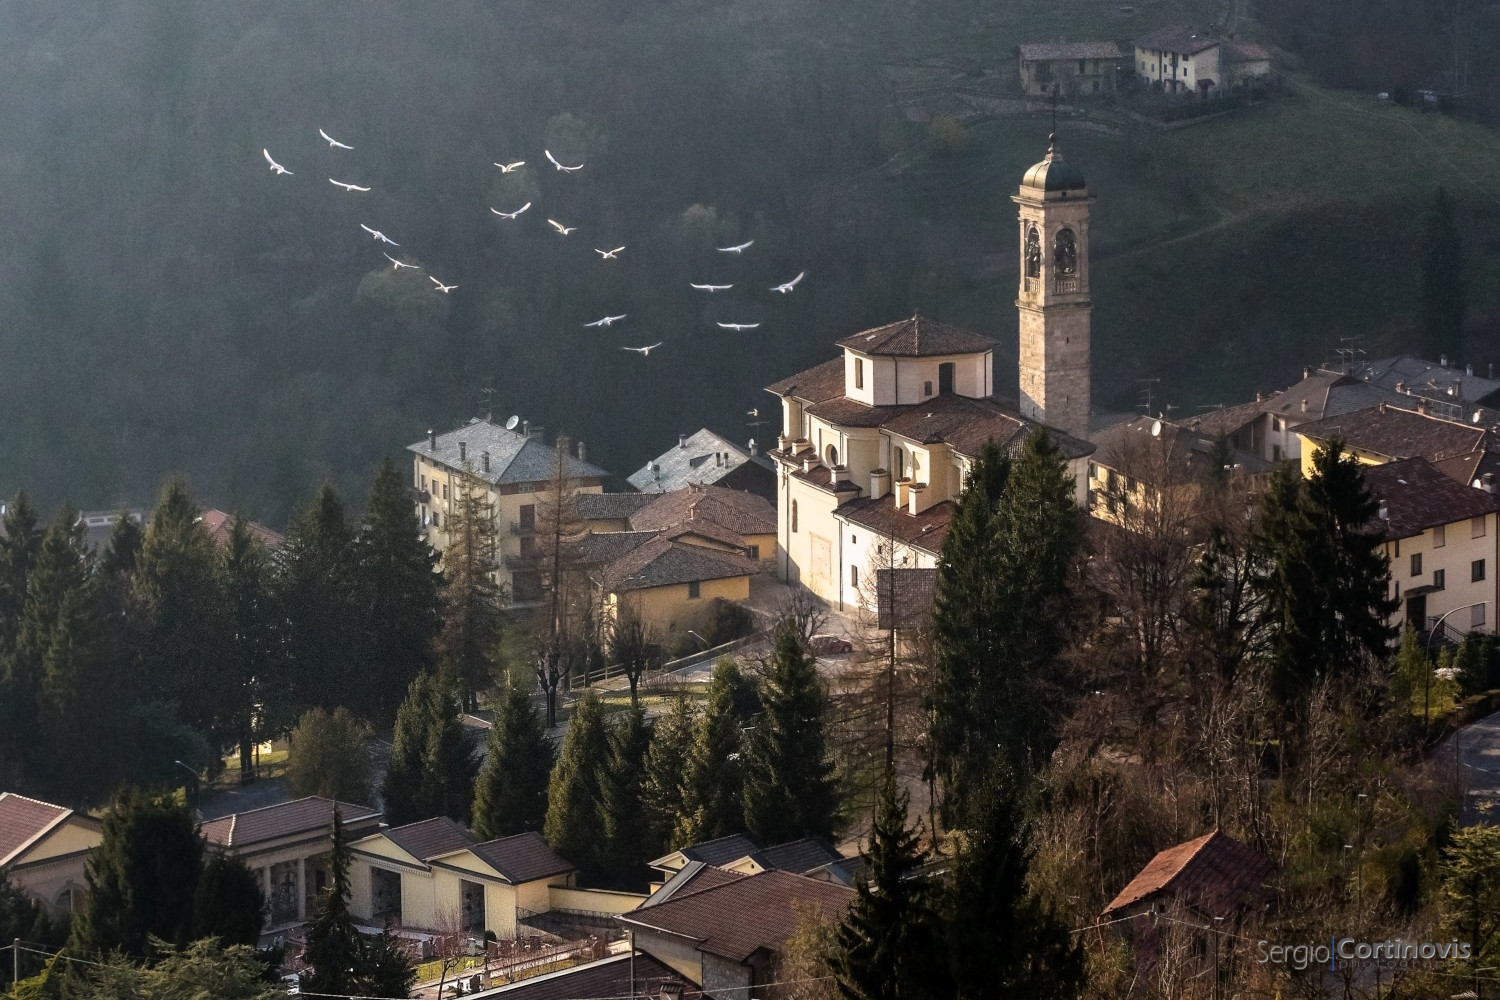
(1033, 253)
(794, 515)
(832, 455)
(1065, 254)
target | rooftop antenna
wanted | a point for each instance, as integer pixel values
(1147, 396)
(487, 401)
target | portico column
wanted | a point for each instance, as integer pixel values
(265, 887)
(301, 888)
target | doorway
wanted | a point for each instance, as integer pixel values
(945, 378)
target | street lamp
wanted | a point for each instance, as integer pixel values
(1427, 674)
(695, 635)
(192, 787)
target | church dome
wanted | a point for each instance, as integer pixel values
(1054, 174)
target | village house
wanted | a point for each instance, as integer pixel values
(707, 459)
(1385, 433)
(1182, 60)
(668, 579)
(1148, 460)
(875, 444)
(44, 850)
(739, 854)
(512, 466)
(287, 847)
(1071, 69)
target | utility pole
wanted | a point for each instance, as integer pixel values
(15, 963)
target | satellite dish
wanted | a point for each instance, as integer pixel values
(1478, 415)
(510, 424)
(1156, 428)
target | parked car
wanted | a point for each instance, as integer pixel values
(830, 645)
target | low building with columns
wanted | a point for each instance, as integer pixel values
(875, 444)
(287, 846)
(44, 850)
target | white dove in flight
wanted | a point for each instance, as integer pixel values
(332, 142)
(276, 168)
(382, 237)
(397, 265)
(559, 166)
(445, 289)
(506, 168)
(606, 321)
(710, 288)
(565, 230)
(787, 286)
(739, 326)
(608, 254)
(510, 215)
(737, 249)
(346, 187)
(644, 350)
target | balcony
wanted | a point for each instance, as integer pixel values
(1030, 284)
(522, 528)
(1065, 285)
(423, 496)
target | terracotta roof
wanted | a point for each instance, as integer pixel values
(917, 337)
(1176, 38)
(1467, 468)
(1213, 874)
(710, 852)
(1037, 51)
(1226, 420)
(914, 589)
(739, 918)
(513, 457)
(614, 976)
(814, 385)
(1418, 496)
(963, 422)
(702, 457)
(524, 857)
(1397, 433)
(431, 838)
(23, 820)
(284, 819)
(219, 523)
(705, 530)
(740, 512)
(925, 531)
(611, 506)
(663, 562)
(600, 548)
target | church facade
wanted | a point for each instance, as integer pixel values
(876, 443)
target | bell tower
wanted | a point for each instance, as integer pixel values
(1053, 295)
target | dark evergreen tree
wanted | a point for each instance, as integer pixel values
(1003, 940)
(1325, 578)
(254, 658)
(1445, 287)
(316, 589)
(20, 541)
(386, 967)
(432, 765)
(713, 782)
(889, 946)
(666, 762)
(333, 945)
(328, 754)
(628, 843)
(574, 826)
(966, 625)
(510, 794)
(790, 790)
(472, 599)
(227, 901)
(23, 917)
(399, 595)
(187, 639)
(141, 879)
(126, 536)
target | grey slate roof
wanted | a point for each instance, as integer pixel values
(711, 852)
(611, 506)
(1397, 433)
(800, 856)
(1418, 496)
(738, 511)
(1036, 51)
(514, 458)
(820, 382)
(1426, 378)
(664, 562)
(693, 461)
(691, 877)
(1176, 38)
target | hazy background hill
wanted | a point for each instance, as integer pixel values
(166, 304)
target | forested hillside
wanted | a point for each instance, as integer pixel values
(167, 303)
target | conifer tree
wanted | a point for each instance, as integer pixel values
(574, 826)
(889, 946)
(328, 754)
(398, 593)
(790, 790)
(227, 901)
(20, 540)
(628, 843)
(253, 658)
(1444, 287)
(672, 738)
(126, 536)
(432, 766)
(141, 879)
(1003, 940)
(471, 598)
(317, 590)
(333, 945)
(510, 794)
(713, 781)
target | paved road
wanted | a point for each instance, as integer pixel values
(1479, 761)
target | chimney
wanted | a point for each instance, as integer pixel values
(838, 474)
(526, 428)
(1442, 361)
(463, 451)
(880, 483)
(682, 440)
(1258, 397)
(655, 469)
(1382, 408)
(1384, 513)
(583, 452)
(1307, 373)
(1489, 482)
(1469, 369)
(918, 498)
(783, 442)
(807, 463)
(901, 492)
(484, 457)
(753, 449)
(1304, 406)
(431, 439)
(718, 459)
(1422, 405)
(1400, 386)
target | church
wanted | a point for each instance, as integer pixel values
(876, 443)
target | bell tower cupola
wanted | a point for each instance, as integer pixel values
(1053, 294)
